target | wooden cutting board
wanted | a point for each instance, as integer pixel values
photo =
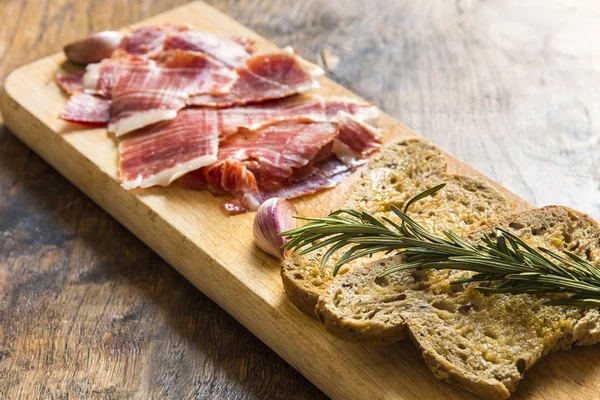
(215, 252)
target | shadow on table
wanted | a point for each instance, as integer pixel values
(125, 311)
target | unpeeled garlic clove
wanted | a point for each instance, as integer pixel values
(273, 217)
(93, 48)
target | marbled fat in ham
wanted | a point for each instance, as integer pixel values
(211, 113)
(310, 109)
(155, 92)
(82, 108)
(328, 174)
(70, 83)
(150, 41)
(147, 83)
(86, 109)
(355, 139)
(266, 76)
(232, 52)
(287, 159)
(271, 155)
(159, 154)
(146, 40)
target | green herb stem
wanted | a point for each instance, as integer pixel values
(508, 263)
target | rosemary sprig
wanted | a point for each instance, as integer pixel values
(509, 264)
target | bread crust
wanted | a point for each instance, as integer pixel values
(483, 343)
(304, 297)
(399, 171)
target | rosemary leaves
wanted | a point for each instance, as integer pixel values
(505, 261)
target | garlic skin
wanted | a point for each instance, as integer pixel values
(93, 48)
(273, 217)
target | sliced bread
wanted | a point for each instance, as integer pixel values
(400, 170)
(482, 342)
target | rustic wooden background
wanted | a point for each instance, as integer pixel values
(510, 89)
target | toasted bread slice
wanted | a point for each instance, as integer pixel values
(482, 342)
(372, 313)
(399, 171)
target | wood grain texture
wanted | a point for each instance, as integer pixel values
(87, 311)
(460, 73)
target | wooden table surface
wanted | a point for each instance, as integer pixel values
(87, 311)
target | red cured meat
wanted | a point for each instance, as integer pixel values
(272, 155)
(355, 139)
(274, 152)
(229, 176)
(86, 109)
(329, 173)
(150, 41)
(191, 73)
(100, 78)
(131, 111)
(287, 159)
(232, 52)
(70, 83)
(266, 76)
(159, 154)
(239, 161)
(312, 109)
(236, 172)
(285, 148)
(146, 94)
(82, 108)
(145, 40)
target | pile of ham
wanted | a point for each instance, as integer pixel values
(214, 114)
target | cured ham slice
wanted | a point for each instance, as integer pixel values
(272, 155)
(82, 108)
(146, 40)
(355, 139)
(329, 173)
(150, 41)
(266, 76)
(232, 52)
(362, 111)
(313, 109)
(131, 111)
(161, 153)
(288, 159)
(148, 93)
(244, 135)
(100, 78)
(86, 109)
(189, 73)
(229, 176)
(70, 83)
(275, 152)
(269, 155)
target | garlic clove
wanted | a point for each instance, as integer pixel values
(93, 48)
(273, 217)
